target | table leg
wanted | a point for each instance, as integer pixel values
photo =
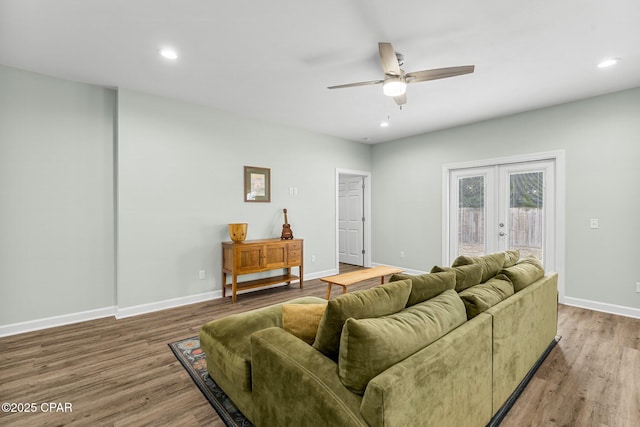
(234, 288)
(224, 282)
(301, 268)
(382, 280)
(344, 289)
(328, 291)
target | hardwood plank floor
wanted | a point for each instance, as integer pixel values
(122, 373)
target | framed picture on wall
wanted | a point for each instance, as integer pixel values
(257, 184)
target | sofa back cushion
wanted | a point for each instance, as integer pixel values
(375, 302)
(466, 275)
(479, 298)
(426, 286)
(370, 346)
(511, 257)
(524, 273)
(302, 320)
(491, 263)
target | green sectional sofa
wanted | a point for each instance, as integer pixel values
(444, 349)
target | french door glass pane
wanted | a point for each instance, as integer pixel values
(471, 216)
(526, 211)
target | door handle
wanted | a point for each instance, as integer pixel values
(502, 234)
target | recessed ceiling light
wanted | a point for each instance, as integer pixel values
(168, 53)
(384, 124)
(608, 62)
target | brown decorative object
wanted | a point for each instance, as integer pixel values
(257, 184)
(255, 256)
(238, 232)
(287, 233)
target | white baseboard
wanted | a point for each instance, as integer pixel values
(620, 310)
(52, 322)
(120, 313)
(166, 304)
(319, 274)
(406, 270)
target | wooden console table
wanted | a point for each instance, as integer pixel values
(255, 256)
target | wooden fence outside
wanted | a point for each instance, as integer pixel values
(527, 227)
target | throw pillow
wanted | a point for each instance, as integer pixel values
(524, 273)
(426, 286)
(466, 275)
(370, 346)
(375, 302)
(491, 263)
(511, 257)
(302, 320)
(481, 297)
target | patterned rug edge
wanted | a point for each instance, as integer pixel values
(200, 381)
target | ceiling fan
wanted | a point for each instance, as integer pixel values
(395, 79)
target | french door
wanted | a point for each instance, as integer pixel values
(500, 207)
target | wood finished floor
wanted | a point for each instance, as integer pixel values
(122, 373)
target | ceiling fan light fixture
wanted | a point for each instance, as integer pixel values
(394, 86)
(169, 53)
(608, 62)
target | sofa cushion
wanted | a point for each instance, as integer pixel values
(370, 346)
(511, 257)
(485, 295)
(426, 286)
(466, 275)
(302, 320)
(524, 273)
(491, 263)
(375, 302)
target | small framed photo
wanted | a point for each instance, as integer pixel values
(257, 184)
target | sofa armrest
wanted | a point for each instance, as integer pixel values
(226, 341)
(294, 384)
(447, 383)
(523, 327)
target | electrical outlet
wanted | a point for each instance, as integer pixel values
(313, 258)
(202, 274)
(638, 287)
(593, 223)
(401, 254)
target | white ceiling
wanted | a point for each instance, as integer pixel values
(273, 60)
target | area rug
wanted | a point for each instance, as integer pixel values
(192, 357)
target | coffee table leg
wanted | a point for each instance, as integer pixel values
(328, 291)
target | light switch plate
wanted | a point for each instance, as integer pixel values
(593, 223)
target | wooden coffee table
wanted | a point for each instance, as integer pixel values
(352, 277)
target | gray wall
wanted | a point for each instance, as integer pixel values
(180, 182)
(56, 192)
(601, 138)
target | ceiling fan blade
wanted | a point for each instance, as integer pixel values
(388, 59)
(371, 82)
(401, 99)
(438, 73)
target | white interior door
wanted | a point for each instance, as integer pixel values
(500, 207)
(351, 219)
